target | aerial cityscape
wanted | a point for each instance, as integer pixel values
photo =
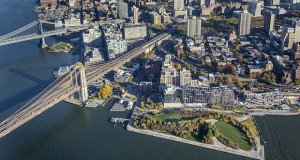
(150, 79)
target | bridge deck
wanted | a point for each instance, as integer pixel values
(60, 90)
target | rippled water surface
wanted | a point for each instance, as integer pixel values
(66, 131)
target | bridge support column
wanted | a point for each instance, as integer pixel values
(83, 84)
(42, 41)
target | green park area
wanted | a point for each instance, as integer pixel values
(170, 117)
(234, 135)
(60, 46)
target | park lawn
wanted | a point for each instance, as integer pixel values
(163, 117)
(234, 135)
(60, 46)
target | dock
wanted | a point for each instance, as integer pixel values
(118, 120)
(117, 107)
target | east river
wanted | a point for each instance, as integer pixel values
(67, 131)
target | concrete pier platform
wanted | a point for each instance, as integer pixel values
(117, 108)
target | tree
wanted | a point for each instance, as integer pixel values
(229, 69)
(268, 78)
(144, 126)
(104, 92)
(148, 100)
(239, 57)
(132, 97)
(228, 80)
(283, 80)
(160, 105)
(183, 56)
(142, 105)
(297, 81)
(130, 78)
(179, 66)
(238, 83)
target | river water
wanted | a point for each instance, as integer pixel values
(66, 131)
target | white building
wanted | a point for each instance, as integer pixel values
(115, 47)
(92, 37)
(72, 20)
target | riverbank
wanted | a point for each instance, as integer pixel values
(259, 154)
(274, 113)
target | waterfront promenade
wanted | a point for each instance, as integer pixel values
(259, 154)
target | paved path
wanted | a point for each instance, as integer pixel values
(259, 154)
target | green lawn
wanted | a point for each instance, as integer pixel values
(234, 135)
(60, 46)
(169, 117)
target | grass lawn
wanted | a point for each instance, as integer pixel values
(234, 135)
(169, 117)
(60, 46)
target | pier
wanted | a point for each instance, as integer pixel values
(118, 120)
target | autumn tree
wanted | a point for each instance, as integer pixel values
(142, 105)
(178, 66)
(104, 92)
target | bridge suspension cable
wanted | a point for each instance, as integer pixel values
(13, 33)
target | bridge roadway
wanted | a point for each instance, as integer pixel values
(39, 36)
(57, 91)
(9, 38)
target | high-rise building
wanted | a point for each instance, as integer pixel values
(290, 34)
(269, 21)
(255, 8)
(244, 23)
(296, 51)
(194, 27)
(135, 14)
(271, 2)
(155, 18)
(122, 9)
(178, 5)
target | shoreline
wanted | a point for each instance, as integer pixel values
(259, 154)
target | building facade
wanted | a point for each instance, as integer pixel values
(178, 5)
(122, 9)
(92, 37)
(269, 21)
(135, 11)
(255, 8)
(222, 95)
(194, 27)
(136, 31)
(115, 47)
(244, 23)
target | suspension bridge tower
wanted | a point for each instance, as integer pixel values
(83, 85)
(42, 43)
